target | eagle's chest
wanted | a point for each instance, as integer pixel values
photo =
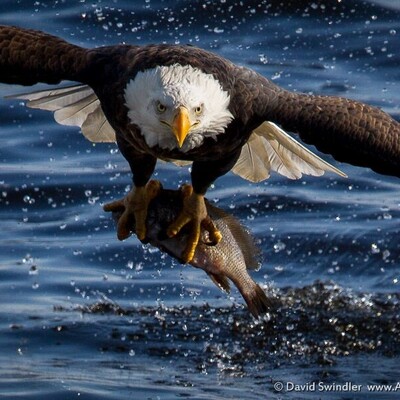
(209, 148)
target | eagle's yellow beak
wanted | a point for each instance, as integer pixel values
(181, 125)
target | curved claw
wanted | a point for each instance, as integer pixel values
(117, 205)
(134, 206)
(194, 214)
(214, 235)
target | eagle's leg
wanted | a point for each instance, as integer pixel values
(194, 212)
(134, 207)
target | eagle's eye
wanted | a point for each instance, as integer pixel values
(199, 109)
(161, 108)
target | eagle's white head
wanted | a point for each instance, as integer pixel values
(177, 106)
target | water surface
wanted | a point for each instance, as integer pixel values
(86, 316)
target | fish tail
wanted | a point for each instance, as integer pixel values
(257, 301)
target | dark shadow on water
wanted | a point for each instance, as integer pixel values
(314, 325)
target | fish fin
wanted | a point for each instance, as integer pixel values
(244, 239)
(257, 301)
(246, 242)
(270, 148)
(76, 106)
(221, 281)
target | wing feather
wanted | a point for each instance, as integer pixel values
(269, 148)
(76, 106)
(96, 128)
(254, 161)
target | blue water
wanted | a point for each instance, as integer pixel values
(85, 316)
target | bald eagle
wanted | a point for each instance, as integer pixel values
(187, 105)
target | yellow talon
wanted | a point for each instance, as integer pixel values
(134, 206)
(214, 235)
(194, 213)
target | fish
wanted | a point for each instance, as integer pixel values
(228, 260)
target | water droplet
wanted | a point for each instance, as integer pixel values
(279, 246)
(375, 249)
(289, 327)
(29, 199)
(385, 254)
(277, 75)
(218, 30)
(263, 59)
(33, 270)
(109, 165)
(139, 267)
(27, 259)
(92, 200)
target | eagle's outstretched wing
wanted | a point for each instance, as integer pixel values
(28, 57)
(350, 131)
(269, 148)
(74, 106)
